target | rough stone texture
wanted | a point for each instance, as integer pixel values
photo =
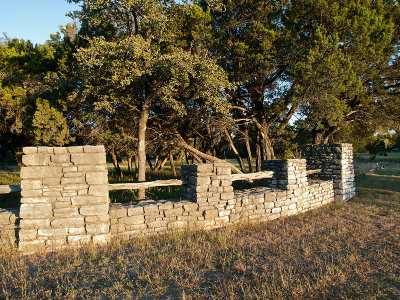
(55, 203)
(9, 221)
(336, 162)
(65, 201)
(211, 201)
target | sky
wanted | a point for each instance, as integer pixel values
(33, 20)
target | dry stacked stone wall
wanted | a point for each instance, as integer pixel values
(9, 226)
(336, 162)
(64, 197)
(210, 202)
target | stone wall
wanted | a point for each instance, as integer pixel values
(64, 197)
(336, 162)
(211, 202)
(9, 225)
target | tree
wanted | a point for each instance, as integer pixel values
(347, 68)
(27, 72)
(136, 67)
(251, 45)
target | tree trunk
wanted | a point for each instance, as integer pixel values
(186, 157)
(130, 170)
(161, 163)
(258, 154)
(3, 152)
(136, 165)
(17, 158)
(141, 152)
(232, 145)
(248, 148)
(171, 161)
(318, 137)
(115, 163)
(148, 158)
(194, 146)
(181, 142)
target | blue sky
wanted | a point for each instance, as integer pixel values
(33, 20)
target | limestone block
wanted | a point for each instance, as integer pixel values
(210, 214)
(43, 149)
(78, 239)
(177, 225)
(190, 207)
(31, 246)
(70, 170)
(157, 224)
(165, 206)
(75, 187)
(87, 200)
(34, 223)
(27, 235)
(52, 181)
(224, 213)
(37, 159)
(62, 203)
(73, 174)
(173, 212)
(91, 168)
(96, 178)
(222, 220)
(94, 210)
(51, 193)
(132, 220)
(37, 210)
(117, 228)
(94, 149)
(66, 212)
(60, 150)
(52, 232)
(97, 228)
(73, 180)
(101, 239)
(31, 184)
(204, 168)
(29, 150)
(40, 172)
(97, 219)
(151, 210)
(76, 230)
(75, 149)
(56, 243)
(98, 189)
(226, 196)
(88, 158)
(60, 158)
(118, 212)
(276, 210)
(67, 222)
(223, 170)
(68, 193)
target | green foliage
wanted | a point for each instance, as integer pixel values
(49, 125)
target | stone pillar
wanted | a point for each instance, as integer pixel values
(336, 162)
(289, 174)
(209, 185)
(64, 197)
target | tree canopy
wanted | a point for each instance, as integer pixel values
(161, 80)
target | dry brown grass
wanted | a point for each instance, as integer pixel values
(344, 250)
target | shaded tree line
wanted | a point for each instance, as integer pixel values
(157, 81)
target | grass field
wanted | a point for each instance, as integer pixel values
(346, 250)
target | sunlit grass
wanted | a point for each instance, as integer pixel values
(347, 250)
